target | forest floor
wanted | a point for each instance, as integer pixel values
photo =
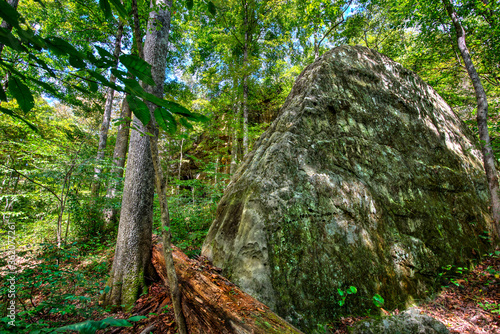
(469, 304)
(65, 292)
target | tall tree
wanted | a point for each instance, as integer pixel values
(155, 53)
(132, 261)
(482, 118)
(119, 157)
(133, 249)
(106, 118)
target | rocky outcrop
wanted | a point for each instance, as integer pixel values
(408, 322)
(367, 179)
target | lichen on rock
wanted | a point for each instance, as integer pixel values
(367, 178)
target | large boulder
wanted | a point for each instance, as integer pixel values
(367, 178)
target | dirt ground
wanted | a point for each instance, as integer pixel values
(470, 304)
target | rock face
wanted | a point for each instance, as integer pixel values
(367, 178)
(408, 322)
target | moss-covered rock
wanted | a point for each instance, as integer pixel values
(367, 178)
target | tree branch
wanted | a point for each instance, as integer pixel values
(335, 25)
(33, 181)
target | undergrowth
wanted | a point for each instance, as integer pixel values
(191, 214)
(58, 287)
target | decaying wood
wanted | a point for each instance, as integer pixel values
(212, 304)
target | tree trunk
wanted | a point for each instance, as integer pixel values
(245, 115)
(245, 81)
(137, 29)
(180, 167)
(234, 145)
(133, 246)
(132, 261)
(316, 45)
(155, 53)
(103, 134)
(214, 305)
(119, 155)
(5, 25)
(9, 204)
(482, 118)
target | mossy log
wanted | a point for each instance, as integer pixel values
(212, 304)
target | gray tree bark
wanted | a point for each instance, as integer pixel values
(132, 261)
(133, 249)
(155, 53)
(482, 118)
(119, 158)
(133, 245)
(106, 118)
(234, 144)
(246, 46)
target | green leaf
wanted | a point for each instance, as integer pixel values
(176, 108)
(378, 300)
(352, 290)
(81, 89)
(40, 2)
(43, 64)
(137, 318)
(22, 94)
(132, 87)
(28, 36)
(119, 74)
(116, 322)
(3, 96)
(90, 326)
(165, 120)
(122, 12)
(341, 293)
(14, 115)
(76, 62)
(189, 4)
(93, 86)
(139, 68)
(44, 85)
(97, 76)
(185, 123)
(106, 8)
(104, 53)
(139, 108)
(9, 14)
(60, 47)
(211, 8)
(9, 40)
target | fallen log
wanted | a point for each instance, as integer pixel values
(212, 304)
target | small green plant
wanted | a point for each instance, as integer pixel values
(91, 326)
(495, 254)
(486, 236)
(490, 307)
(51, 292)
(343, 294)
(165, 309)
(378, 301)
(322, 329)
(451, 273)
